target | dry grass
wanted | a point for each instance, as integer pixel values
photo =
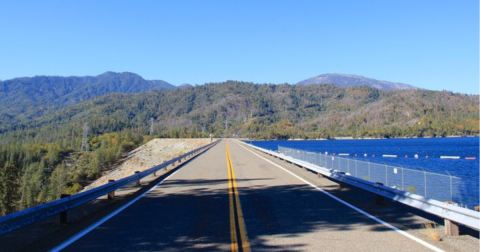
(432, 233)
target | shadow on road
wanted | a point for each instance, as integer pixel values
(197, 218)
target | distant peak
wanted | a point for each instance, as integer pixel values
(110, 73)
(185, 85)
(347, 80)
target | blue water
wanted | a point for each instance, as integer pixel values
(428, 150)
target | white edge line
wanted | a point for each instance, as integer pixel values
(104, 219)
(426, 244)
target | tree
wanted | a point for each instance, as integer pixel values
(9, 195)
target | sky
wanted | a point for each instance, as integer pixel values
(428, 44)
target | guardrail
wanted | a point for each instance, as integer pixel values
(22, 218)
(441, 187)
(451, 213)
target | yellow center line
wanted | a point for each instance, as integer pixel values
(236, 214)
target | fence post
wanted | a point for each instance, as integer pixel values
(64, 214)
(403, 186)
(386, 175)
(369, 178)
(356, 168)
(451, 186)
(348, 165)
(425, 182)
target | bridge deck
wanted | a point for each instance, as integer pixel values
(191, 210)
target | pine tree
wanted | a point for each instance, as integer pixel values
(9, 189)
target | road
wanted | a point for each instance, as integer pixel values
(229, 199)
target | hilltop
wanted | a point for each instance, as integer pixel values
(349, 80)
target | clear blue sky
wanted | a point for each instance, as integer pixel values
(429, 44)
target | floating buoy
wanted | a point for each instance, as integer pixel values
(470, 158)
(355, 154)
(416, 156)
(333, 154)
(365, 154)
(326, 152)
(373, 155)
(406, 156)
(390, 156)
(449, 157)
(426, 156)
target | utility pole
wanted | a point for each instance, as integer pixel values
(226, 123)
(151, 126)
(85, 138)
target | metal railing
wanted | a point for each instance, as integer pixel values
(22, 218)
(444, 210)
(442, 187)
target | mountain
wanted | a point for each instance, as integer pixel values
(186, 85)
(27, 98)
(269, 111)
(348, 80)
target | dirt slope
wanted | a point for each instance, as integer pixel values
(148, 155)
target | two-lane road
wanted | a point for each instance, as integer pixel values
(231, 199)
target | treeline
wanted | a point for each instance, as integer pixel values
(37, 167)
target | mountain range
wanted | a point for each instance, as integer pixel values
(27, 98)
(348, 80)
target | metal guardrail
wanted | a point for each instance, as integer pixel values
(441, 187)
(447, 211)
(22, 218)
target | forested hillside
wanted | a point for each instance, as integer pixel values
(280, 111)
(41, 158)
(23, 99)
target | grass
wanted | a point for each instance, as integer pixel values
(432, 233)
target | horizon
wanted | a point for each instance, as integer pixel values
(187, 42)
(256, 83)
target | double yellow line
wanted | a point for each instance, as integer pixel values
(239, 240)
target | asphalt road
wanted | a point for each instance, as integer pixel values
(191, 210)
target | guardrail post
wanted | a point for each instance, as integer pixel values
(451, 228)
(64, 214)
(138, 181)
(111, 195)
(378, 198)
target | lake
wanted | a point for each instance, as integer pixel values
(428, 150)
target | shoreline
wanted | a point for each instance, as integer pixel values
(366, 138)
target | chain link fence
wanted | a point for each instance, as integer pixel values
(442, 187)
